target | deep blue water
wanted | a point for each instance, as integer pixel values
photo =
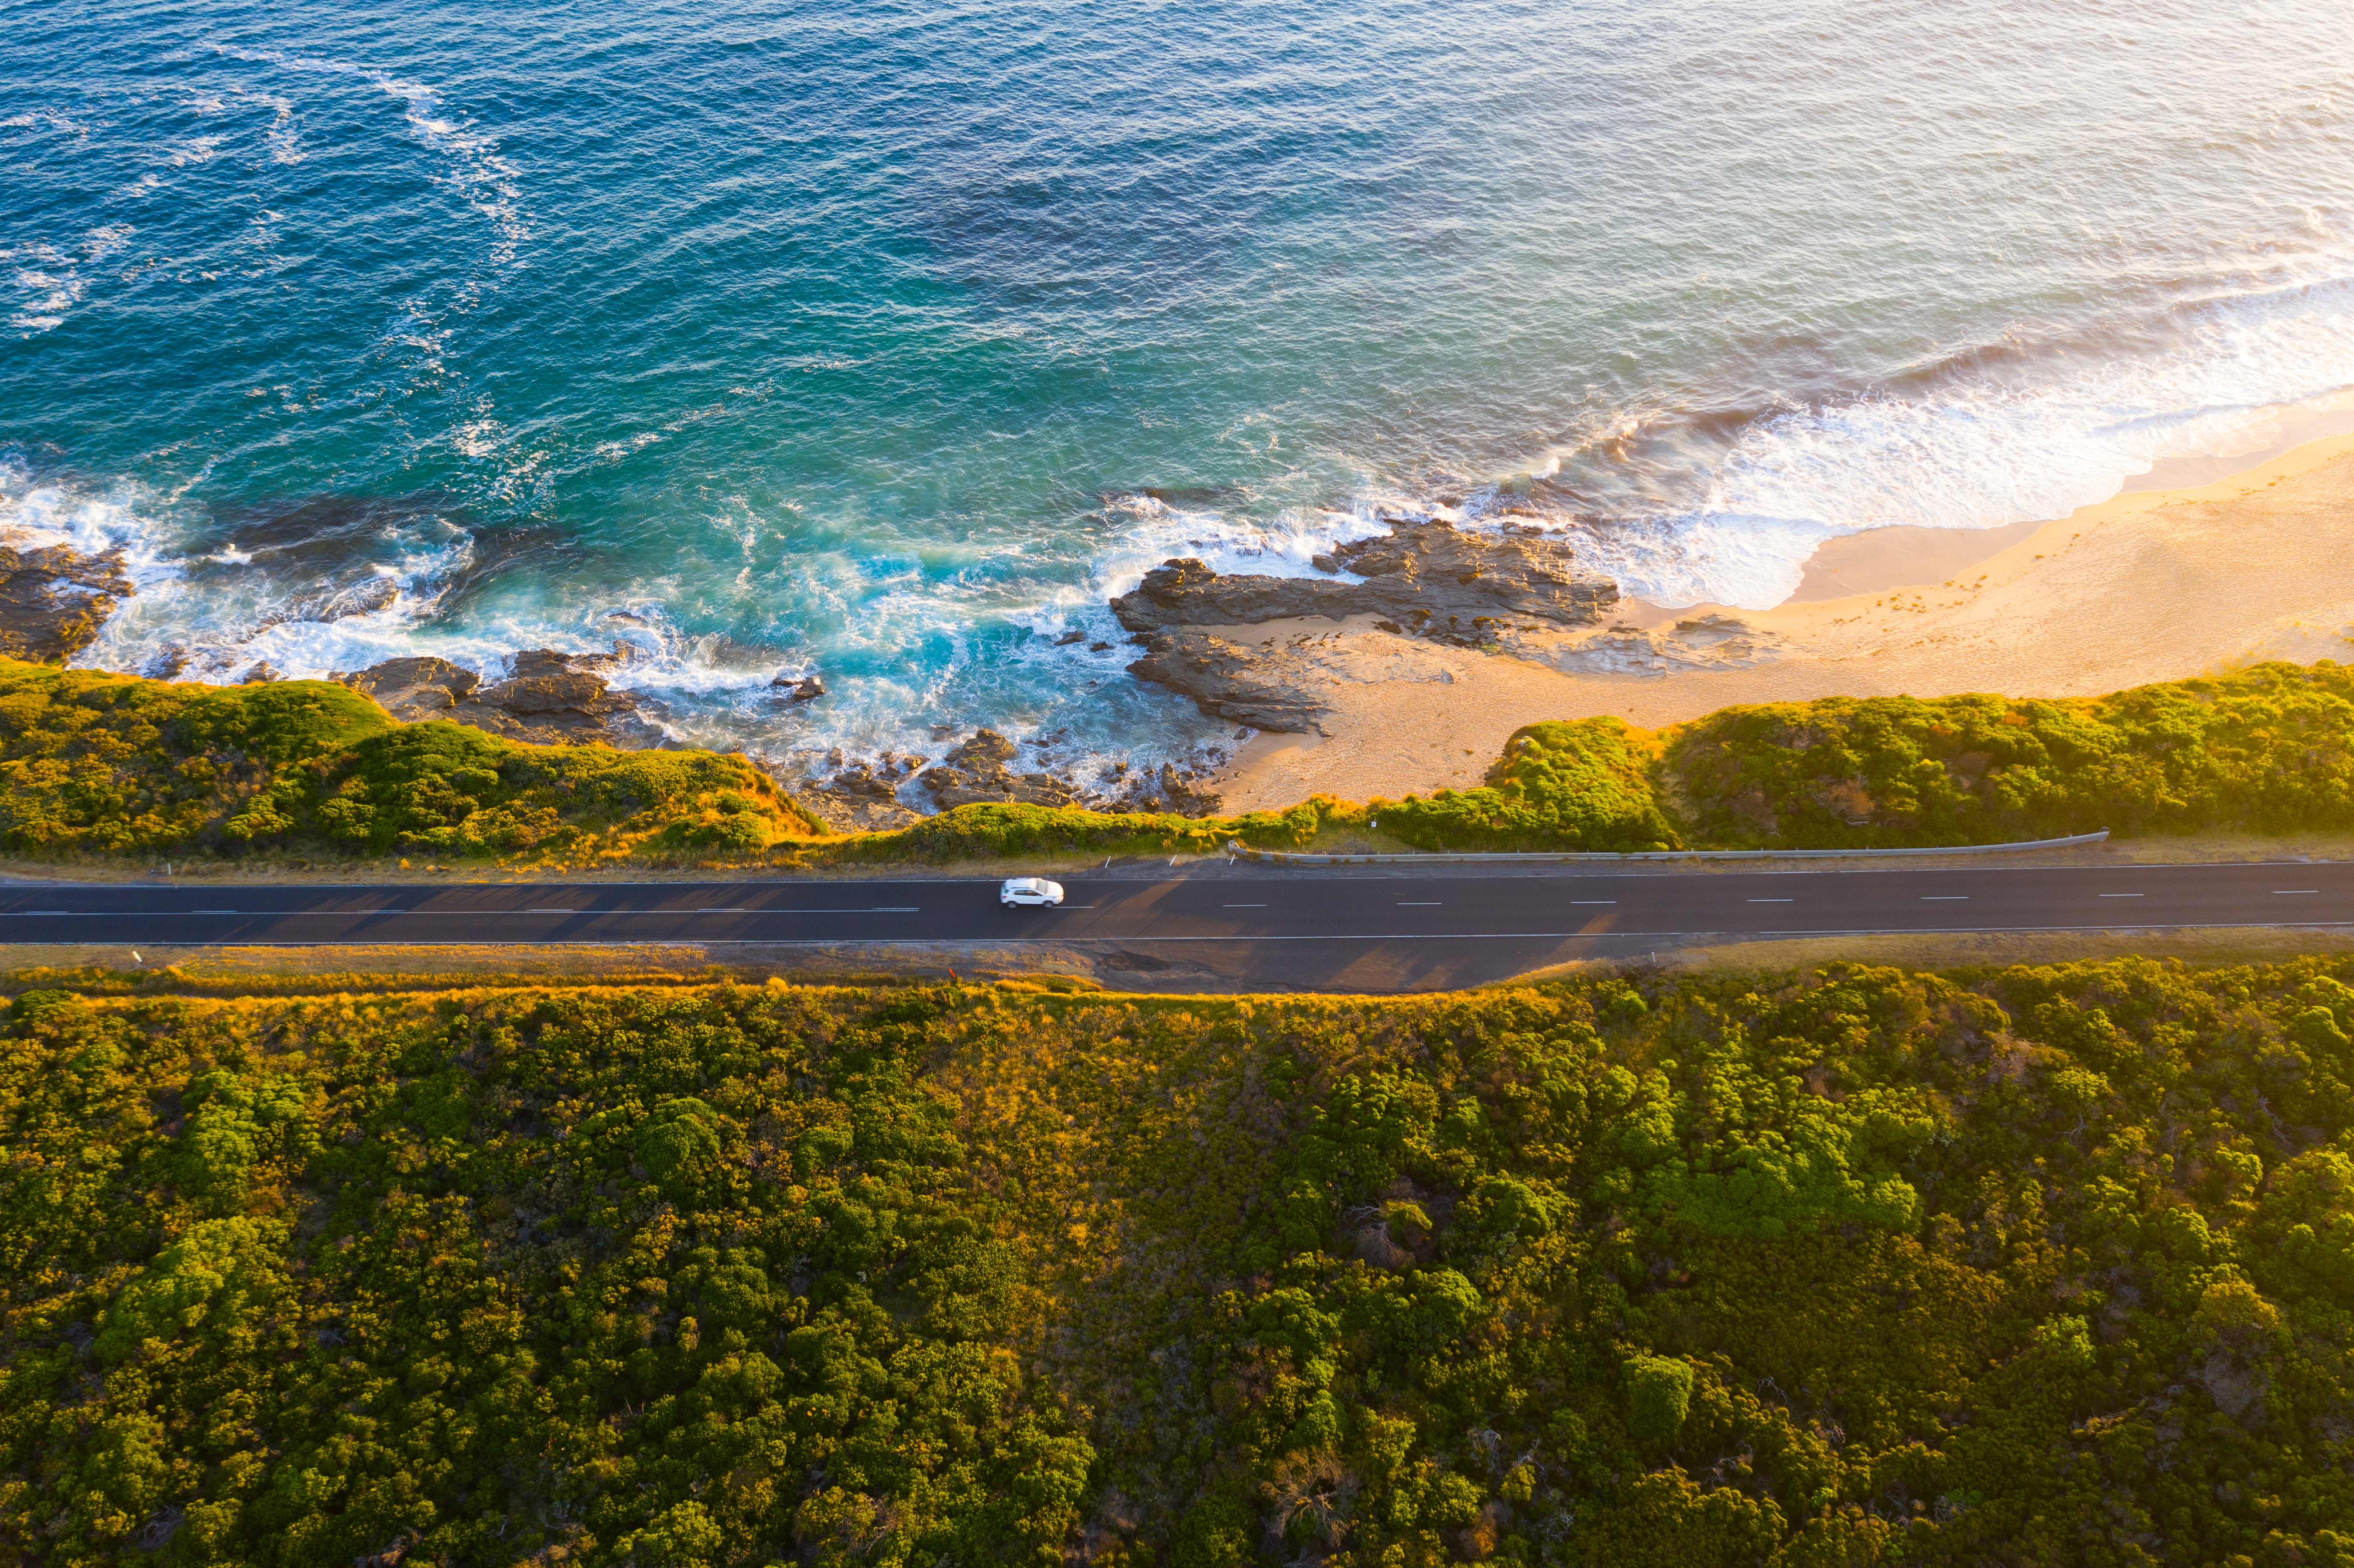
(888, 340)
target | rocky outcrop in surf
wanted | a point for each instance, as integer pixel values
(1422, 581)
(1432, 579)
(53, 601)
(547, 698)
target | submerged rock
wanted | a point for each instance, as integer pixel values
(548, 698)
(799, 688)
(54, 600)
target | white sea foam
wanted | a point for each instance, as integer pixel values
(1284, 546)
(1984, 450)
(477, 170)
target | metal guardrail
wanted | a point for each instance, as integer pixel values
(1294, 857)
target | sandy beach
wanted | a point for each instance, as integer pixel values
(2151, 585)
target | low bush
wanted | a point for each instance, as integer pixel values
(1581, 785)
(94, 762)
(2266, 749)
(996, 832)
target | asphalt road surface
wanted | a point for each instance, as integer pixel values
(1354, 926)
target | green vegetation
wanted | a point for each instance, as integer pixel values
(111, 764)
(2269, 749)
(2266, 749)
(2040, 1266)
(995, 831)
(1580, 786)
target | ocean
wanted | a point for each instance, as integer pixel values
(887, 341)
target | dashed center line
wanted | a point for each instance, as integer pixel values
(2278, 891)
(1242, 906)
(1418, 903)
(1770, 901)
(2120, 895)
(1945, 897)
(1575, 902)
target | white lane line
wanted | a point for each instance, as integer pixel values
(1945, 897)
(1769, 901)
(1575, 902)
(883, 909)
(721, 909)
(2278, 891)
(212, 911)
(2120, 895)
(1242, 906)
(1418, 903)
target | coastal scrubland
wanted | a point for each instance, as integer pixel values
(116, 766)
(102, 764)
(1848, 1265)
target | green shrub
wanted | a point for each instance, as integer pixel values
(2266, 749)
(1659, 1397)
(1582, 785)
(93, 762)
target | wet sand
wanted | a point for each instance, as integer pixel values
(2152, 585)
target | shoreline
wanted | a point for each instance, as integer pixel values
(2149, 585)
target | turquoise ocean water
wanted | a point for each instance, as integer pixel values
(887, 340)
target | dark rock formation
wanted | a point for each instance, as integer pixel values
(1424, 579)
(54, 600)
(1142, 790)
(975, 774)
(1431, 577)
(413, 689)
(1229, 681)
(798, 688)
(548, 698)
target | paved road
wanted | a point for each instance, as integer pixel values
(1225, 908)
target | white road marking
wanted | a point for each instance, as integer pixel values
(2120, 895)
(2278, 891)
(880, 909)
(1945, 897)
(1575, 902)
(1770, 901)
(1242, 906)
(1418, 903)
